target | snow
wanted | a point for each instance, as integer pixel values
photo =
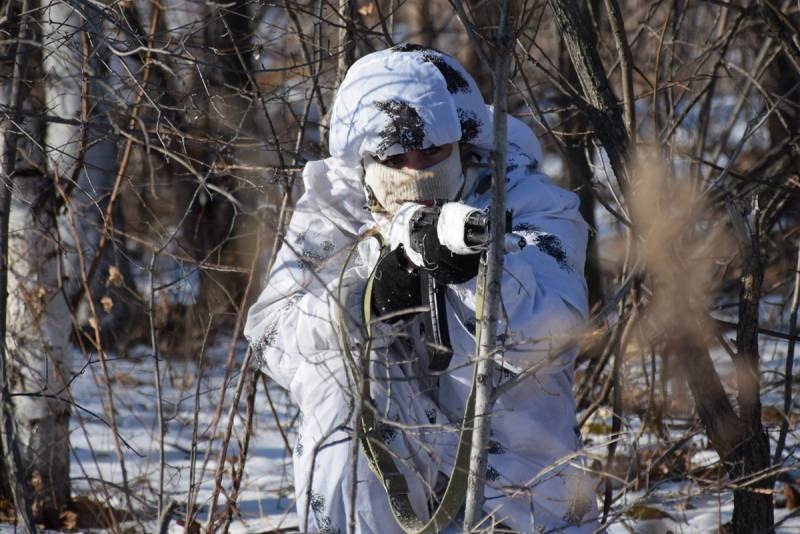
(192, 391)
(264, 496)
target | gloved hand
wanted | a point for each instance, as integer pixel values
(433, 238)
(396, 286)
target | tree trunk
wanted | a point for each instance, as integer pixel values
(739, 439)
(577, 151)
(37, 320)
(38, 341)
(750, 464)
(604, 112)
(486, 342)
(14, 93)
(744, 455)
(83, 158)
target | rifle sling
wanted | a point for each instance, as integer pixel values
(380, 458)
(437, 333)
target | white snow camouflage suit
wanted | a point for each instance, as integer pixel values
(391, 101)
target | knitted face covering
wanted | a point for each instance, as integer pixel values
(392, 187)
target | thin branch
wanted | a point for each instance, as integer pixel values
(626, 66)
(458, 5)
(486, 343)
(789, 372)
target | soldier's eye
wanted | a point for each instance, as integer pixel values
(430, 151)
(394, 161)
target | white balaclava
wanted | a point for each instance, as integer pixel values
(401, 99)
(392, 187)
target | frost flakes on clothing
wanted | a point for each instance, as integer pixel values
(311, 256)
(470, 125)
(410, 47)
(495, 447)
(269, 338)
(431, 415)
(298, 444)
(291, 302)
(552, 246)
(406, 128)
(387, 429)
(547, 243)
(322, 520)
(455, 81)
(492, 474)
(387, 432)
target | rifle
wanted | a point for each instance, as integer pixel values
(477, 234)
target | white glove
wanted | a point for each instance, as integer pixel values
(450, 226)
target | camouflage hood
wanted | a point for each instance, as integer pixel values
(406, 98)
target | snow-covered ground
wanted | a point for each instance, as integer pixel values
(190, 396)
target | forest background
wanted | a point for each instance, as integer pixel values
(151, 153)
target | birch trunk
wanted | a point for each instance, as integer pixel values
(37, 339)
(82, 156)
(13, 94)
(37, 324)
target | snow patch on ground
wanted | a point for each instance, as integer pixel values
(191, 393)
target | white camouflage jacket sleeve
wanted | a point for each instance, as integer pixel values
(544, 296)
(543, 287)
(295, 318)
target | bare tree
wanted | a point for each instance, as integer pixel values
(148, 147)
(37, 325)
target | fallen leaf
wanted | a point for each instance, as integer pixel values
(772, 416)
(114, 277)
(792, 495)
(644, 512)
(597, 428)
(366, 10)
(68, 520)
(107, 303)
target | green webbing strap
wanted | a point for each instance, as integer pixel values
(380, 458)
